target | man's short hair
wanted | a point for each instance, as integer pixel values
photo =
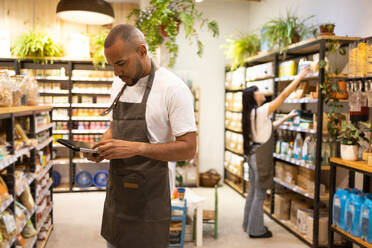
(126, 32)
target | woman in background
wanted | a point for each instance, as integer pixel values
(258, 150)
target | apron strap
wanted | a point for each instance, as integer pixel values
(150, 81)
(145, 97)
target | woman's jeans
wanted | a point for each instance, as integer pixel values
(253, 222)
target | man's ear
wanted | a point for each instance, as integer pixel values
(142, 50)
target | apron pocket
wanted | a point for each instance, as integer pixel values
(129, 194)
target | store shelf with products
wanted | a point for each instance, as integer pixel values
(350, 237)
(42, 244)
(40, 174)
(35, 124)
(43, 193)
(268, 66)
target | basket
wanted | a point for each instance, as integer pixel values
(209, 178)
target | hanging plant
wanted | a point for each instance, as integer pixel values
(243, 46)
(160, 24)
(38, 46)
(285, 30)
(97, 54)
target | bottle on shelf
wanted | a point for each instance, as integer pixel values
(278, 142)
(306, 149)
(297, 152)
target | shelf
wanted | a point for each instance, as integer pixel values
(45, 127)
(61, 161)
(236, 153)
(62, 188)
(86, 161)
(299, 49)
(30, 179)
(352, 238)
(90, 93)
(94, 118)
(30, 242)
(6, 112)
(77, 131)
(234, 186)
(234, 131)
(43, 219)
(233, 90)
(233, 111)
(77, 189)
(60, 131)
(297, 129)
(300, 190)
(58, 145)
(301, 100)
(298, 162)
(23, 224)
(44, 170)
(52, 79)
(44, 144)
(260, 79)
(360, 166)
(8, 160)
(233, 173)
(90, 105)
(60, 105)
(6, 204)
(92, 81)
(60, 119)
(44, 242)
(43, 193)
(54, 93)
(313, 77)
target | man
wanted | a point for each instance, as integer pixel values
(152, 123)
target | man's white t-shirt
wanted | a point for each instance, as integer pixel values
(170, 110)
(261, 125)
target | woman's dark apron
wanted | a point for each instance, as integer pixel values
(137, 207)
(264, 161)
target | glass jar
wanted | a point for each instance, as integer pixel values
(18, 94)
(31, 89)
(6, 96)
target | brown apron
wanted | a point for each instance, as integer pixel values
(264, 160)
(137, 207)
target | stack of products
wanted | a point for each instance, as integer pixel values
(234, 101)
(42, 119)
(87, 112)
(53, 88)
(260, 71)
(92, 75)
(61, 125)
(60, 114)
(235, 80)
(233, 121)
(352, 212)
(44, 200)
(91, 88)
(234, 163)
(234, 142)
(8, 226)
(303, 120)
(42, 136)
(360, 59)
(91, 125)
(87, 138)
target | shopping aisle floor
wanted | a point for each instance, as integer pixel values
(77, 218)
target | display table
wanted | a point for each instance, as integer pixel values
(194, 202)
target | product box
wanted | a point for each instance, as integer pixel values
(306, 173)
(288, 68)
(260, 71)
(323, 228)
(282, 206)
(295, 206)
(290, 173)
(302, 215)
(279, 170)
(265, 86)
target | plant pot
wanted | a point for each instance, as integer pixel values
(327, 29)
(349, 152)
(342, 86)
(295, 37)
(164, 26)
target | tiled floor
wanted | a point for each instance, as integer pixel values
(77, 219)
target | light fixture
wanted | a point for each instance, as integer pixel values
(96, 12)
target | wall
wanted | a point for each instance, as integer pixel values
(20, 16)
(351, 18)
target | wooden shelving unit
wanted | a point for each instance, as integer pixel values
(9, 117)
(294, 51)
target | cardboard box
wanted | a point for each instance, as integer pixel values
(306, 173)
(295, 206)
(302, 181)
(323, 228)
(282, 206)
(302, 215)
(290, 174)
(279, 170)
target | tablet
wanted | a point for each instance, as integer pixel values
(77, 146)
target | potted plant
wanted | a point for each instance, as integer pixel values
(285, 30)
(38, 46)
(327, 29)
(243, 46)
(160, 24)
(97, 42)
(350, 138)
